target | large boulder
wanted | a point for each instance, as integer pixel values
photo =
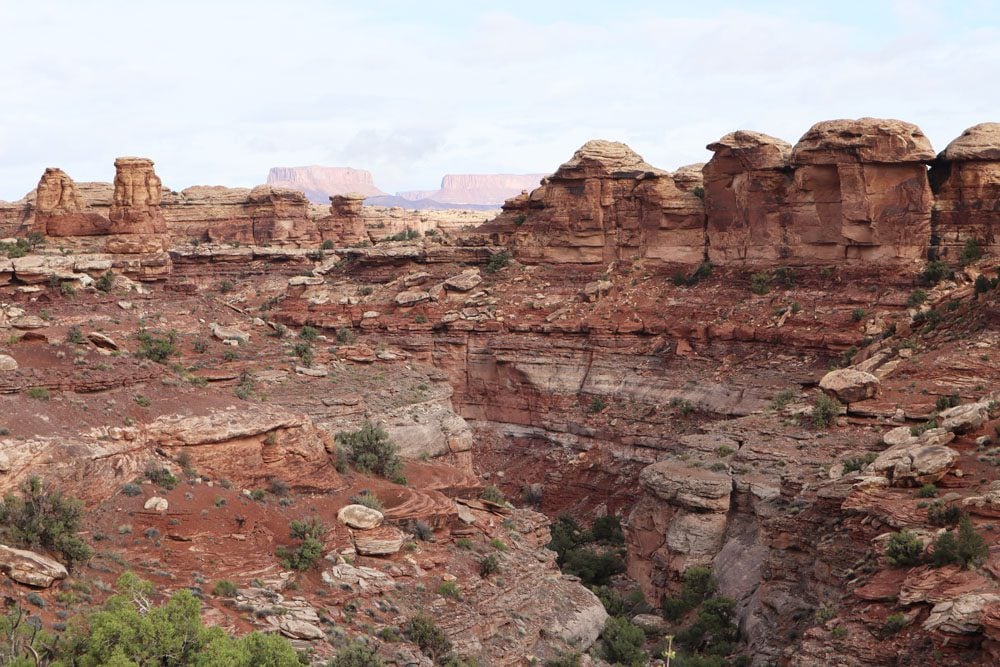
(914, 464)
(962, 418)
(961, 615)
(360, 517)
(381, 541)
(7, 363)
(849, 385)
(687, 486)
(28, 567)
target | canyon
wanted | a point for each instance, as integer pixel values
(768, 365)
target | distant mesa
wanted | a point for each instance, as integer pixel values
(321, 183)
(457, 191)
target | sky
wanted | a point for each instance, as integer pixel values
(217, 92)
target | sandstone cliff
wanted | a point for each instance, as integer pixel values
(606, 204)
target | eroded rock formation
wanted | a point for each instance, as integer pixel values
(966, 180)
(346, 224)
(606, 204)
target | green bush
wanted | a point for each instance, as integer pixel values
(156, 348)
(493, 494)
(917, 297)
(968, 549)
(432, 641)
(783, 398)
(904, 549)
(355, 654)
(498, 261)
(571, 659)
(927, 491)
(622, 642)
(488, 566)
(42, 517)
(368, 499)
(858, 314)
(607, 529)
(760, 283)
(945, 402)
(224, 588)
(75, 335)
(824, 411)
(371, 451)
(972, 251)
(160, 475)
(715, 632)
(311, 532)
(308, 333)
(595, 568)
(941, 514)
(130, 630)
(327, 245)
(38, 393)
(895, 623)
(856, 463)
(934, 273)
(597, 404)
(449, 589)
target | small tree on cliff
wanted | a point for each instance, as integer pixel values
(42, 517)
(371, 451)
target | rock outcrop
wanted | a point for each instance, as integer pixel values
(606, 204)
(966, 181)
(853, 190)
(345, 225)
(28, 567)
(135, 205)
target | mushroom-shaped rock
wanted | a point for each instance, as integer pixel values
(7, 363)
(979, 142)
(381, 541)
(751, 150)
(907, 465)
(694, 488)
(882, 140)
(360, 517)
(157, 504)
(962, 418)
(960, 616)
(27, 567)
(849, 385)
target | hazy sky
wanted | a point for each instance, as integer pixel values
(218, 92)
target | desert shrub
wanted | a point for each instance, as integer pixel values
(520, 219)
(431, 639)
(488, 566)
(984, 284)
(106, 282)
(493, 494)
(355, 654)
(345, 336)
(895, 623)
(622, 642)
(967, 549)
(277, 486)
(824, 411)
(311, 532)
(38, 393)
(130, 630)
(783, 398)
(934, 272)
(595, 568)
(304, 351)
(945, 402)
(224, 589)
(597, 404)
(715, 631)
(498, 261)
(920, 428)
(941, 514)
(422, 531)
(972, 251)
(159, 475)
(449, 589)
(927, 491)
(156, 348)
(75, 335)
(855, 463)
(368, 499)
(42, 517)
(308, 333)
(371, 451)
(131, 490)
(760, 283)
(904, 549)
(226, 286)
(698, 584)
(607, 529)
(917, 297)
(858, 314)
(571, 659)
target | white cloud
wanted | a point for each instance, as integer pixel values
(219, 92)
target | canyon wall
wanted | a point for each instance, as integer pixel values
(849, 191)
